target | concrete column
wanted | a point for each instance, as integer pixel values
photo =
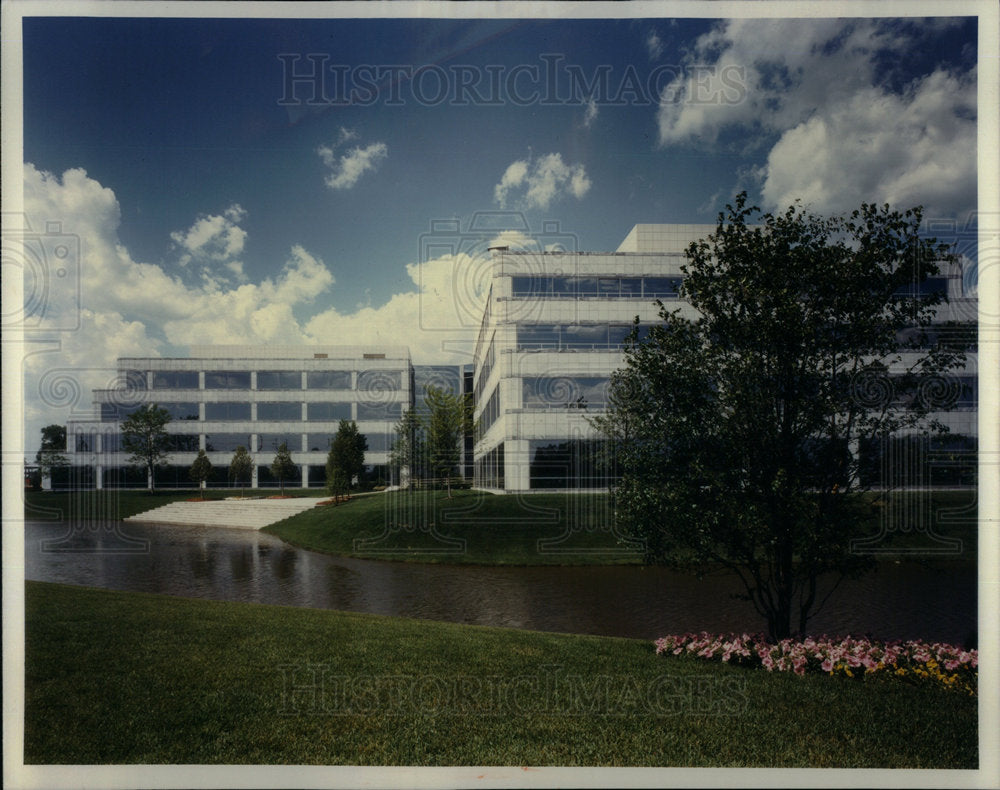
(305, 475)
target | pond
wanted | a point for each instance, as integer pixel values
(896, 602)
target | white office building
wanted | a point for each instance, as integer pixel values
(221, 397)
(553, 331)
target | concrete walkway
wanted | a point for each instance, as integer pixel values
(236, 513)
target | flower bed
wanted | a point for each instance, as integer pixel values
(919, 662)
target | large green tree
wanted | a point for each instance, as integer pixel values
(145, 439)
(346, 459)
(449, 418)
(737, 428)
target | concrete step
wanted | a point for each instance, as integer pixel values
(236, 513)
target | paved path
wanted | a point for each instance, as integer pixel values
(237, 513)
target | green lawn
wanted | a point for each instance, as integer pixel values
(115, 677)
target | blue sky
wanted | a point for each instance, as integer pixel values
(213, 201)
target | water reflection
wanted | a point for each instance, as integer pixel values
(901, 602)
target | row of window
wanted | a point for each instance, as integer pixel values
(489, 414)
(489, 469)
(178, 476)
(577, 287)
(576, 337)
(368, 380)
(228, 442)
(266, 411)
(489, 360)
(580, 463)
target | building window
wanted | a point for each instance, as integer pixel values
(175, 379)
(575, 337)
(328, 380)
(318, 442)
(279, 411)
(564, 392)
(182, 442)
(489, 414)
(134, 379)
(328, 412)
(181, 411)
(490, 468)
(270, 442)
(379, 442)
(374, 384)
(227, 379)
(577, 463)
(484, 372)
(380, 411)
(227, 412)
(111, 412)
(564, 287)
(279, 380)
(226, 442)
(660, 287)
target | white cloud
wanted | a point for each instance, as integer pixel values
(590, 113)
(348, 168)
(543, 181)
(842, 137)
(905, 150)
(213, 240)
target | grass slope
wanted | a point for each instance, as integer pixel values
(115, 677)
(471, 527)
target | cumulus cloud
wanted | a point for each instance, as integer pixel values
(905, 150)
(218, 237)
(130, 308)
(347, 169)
(844, 132)
(590, 113)
(541, 182)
